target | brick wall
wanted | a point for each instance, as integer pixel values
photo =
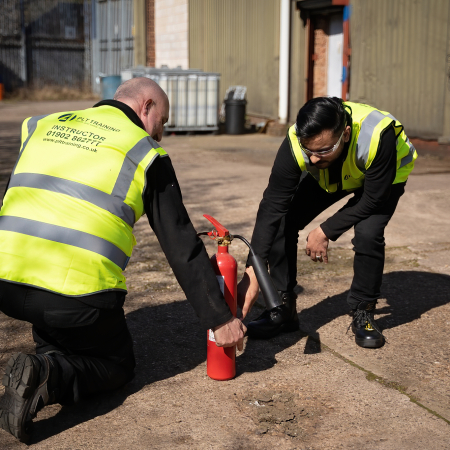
(150, 21)
(321, 58)
(171, 33)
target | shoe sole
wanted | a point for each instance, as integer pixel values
(370, 343)
(285, 328)
(20, 382)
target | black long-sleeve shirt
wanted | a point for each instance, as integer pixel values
(284, 180)
(185, 252)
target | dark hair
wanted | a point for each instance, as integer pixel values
(319, 114)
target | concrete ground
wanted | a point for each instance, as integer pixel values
(313, 389)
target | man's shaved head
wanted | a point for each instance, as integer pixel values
(136, 88)
(148, 101)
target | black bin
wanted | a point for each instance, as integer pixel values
(235, 116)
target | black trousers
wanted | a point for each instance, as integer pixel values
(368, 243)
(92, 346)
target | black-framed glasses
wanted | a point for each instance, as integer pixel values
(325, 152)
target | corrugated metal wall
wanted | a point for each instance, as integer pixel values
(240, 40)
(112, 38)
(398, 61)
(297, 81)
(114, 20)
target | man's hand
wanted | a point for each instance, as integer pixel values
(317, 245)
(230, 333)
(247, 291)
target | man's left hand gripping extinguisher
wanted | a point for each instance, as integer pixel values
(221, 361)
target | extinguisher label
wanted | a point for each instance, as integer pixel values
(221, 281)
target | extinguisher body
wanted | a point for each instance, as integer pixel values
(221, 361)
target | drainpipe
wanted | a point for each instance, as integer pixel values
(346, 52)
(283, 90)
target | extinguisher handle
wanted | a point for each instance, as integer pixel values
(268, 289)
(219, 227)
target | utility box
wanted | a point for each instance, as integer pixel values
(193, 96)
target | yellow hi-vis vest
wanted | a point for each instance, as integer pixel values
(367, 128)
(66, 224)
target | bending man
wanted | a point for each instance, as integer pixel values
(334, 149)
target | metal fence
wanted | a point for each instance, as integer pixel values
(12, 45)
(45, 43)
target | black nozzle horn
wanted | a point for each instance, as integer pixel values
(268, 289)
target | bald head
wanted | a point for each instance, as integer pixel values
(148, 101)
(136, 88)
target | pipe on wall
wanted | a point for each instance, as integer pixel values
(346, 53)
(283, 85)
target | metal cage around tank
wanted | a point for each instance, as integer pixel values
(193, 96)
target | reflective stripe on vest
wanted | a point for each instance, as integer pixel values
(31, 125)
(99, 198)
(129, 166)
(410, 156)
(65, 236)
(114, 202)
(365, 138)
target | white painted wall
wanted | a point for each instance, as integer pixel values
(171, 33)
(335, 49)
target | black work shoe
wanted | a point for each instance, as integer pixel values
(26, 381)
(281, 319)
(367, 333)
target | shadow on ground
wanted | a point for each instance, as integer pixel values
(169, 341)
(408, 295)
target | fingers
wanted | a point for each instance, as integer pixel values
(230, 333)
(240, 344)
(317, 245)
(242, 289)
(250, 300)
(317, 256)
(247, 290)
(241, 292)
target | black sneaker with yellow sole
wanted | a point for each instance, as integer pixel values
(367, 332)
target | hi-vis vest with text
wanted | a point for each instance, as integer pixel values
(66, 224)
(367, 127)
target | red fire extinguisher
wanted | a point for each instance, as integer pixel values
(221, 361)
